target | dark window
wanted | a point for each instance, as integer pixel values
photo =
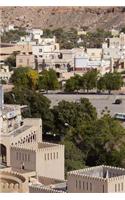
(103, 189)
(83, 185)
(122, 187)
(79, 184)
(115, 187)
(119, 187)
(90, 187)
(87, 186)
(76, 184)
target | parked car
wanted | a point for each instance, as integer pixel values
(118, 101)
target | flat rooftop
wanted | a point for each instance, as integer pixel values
(20, 130)
(100, 172)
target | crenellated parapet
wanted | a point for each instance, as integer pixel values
(31, 146)
(100, 173)
(12, 182)
(6, 187)
(44, 146)
(43, 189)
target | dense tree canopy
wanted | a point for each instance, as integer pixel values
(113, 81)
(69, 114)
(92, 80)
(74, 157)
(69, 39)
(48, 80)
(25, 77)
(73, 84)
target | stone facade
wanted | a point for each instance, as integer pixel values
(25, 60)
(13, 182)
(101, 179)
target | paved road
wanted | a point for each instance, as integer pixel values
(99, 101)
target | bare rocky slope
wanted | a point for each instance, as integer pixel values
(65, 17)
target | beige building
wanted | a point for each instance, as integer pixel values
(22, 147)
(24, 60)
(100, 179)
(7, 50)
(13, 182)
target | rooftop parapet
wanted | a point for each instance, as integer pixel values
(103, 172)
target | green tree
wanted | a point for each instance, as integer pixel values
(74, 158)
(48, 80)
(73, 84)
(68, 114)
(89, 80)
(113, 81)
(25, 77)
(47, 33)
(108, 141)
(101, 84)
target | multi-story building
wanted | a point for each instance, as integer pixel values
(24, 60)
(7, 50)
(100, 179)
(83, 63)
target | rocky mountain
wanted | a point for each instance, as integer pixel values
(65, 17)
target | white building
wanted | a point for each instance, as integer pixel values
(83, 63)
(117, 42)
(5, 73)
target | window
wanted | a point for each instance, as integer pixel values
(76, 184)
(48, 156)
(119, 187)
(122, 187)
(17, 155)
(90, 187)
(57, 155)
(115, 187)
(79, 184)
(54, 155)
(40, 50)
(103, 189)
(45, 156)
(83, 185)
(87, 186)
(51, 156)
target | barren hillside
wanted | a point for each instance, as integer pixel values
(65, 17)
